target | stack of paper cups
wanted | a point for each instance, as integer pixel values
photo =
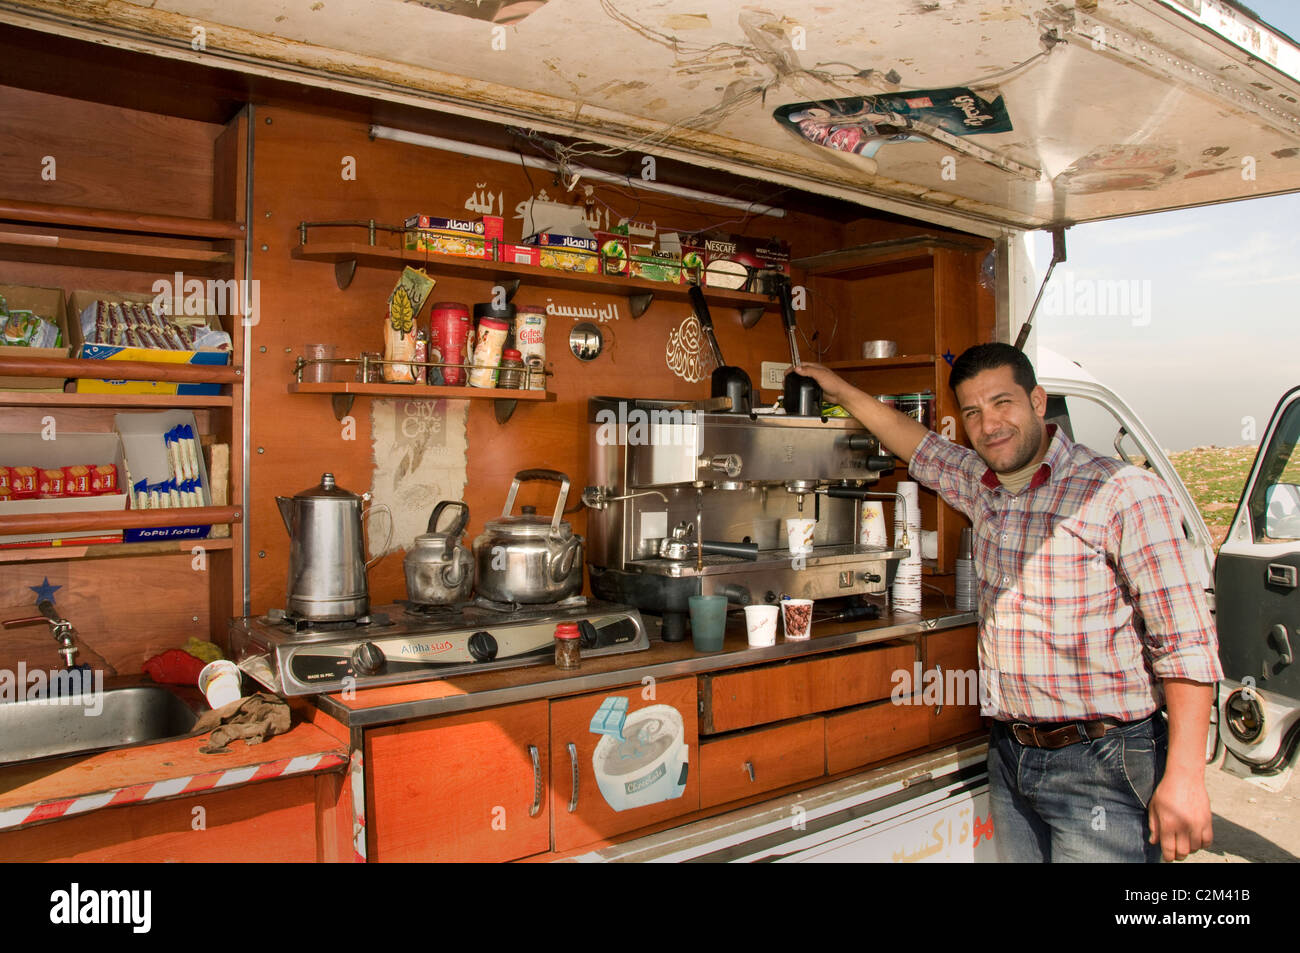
(965, 591)
(907, 582)
(871, 531)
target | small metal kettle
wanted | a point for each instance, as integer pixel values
(440, 571)
(327, 563)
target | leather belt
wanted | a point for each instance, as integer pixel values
(1053, 735)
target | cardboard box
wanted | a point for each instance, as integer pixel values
(78, 301)
(464, 238)
(660, 266)
(146, 459)
(615, 253)
(733, 262)
(567, 252)
(46, 303)
(518, 254)
(67, 449)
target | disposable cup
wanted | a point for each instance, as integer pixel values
(760, 624)
(318, 373)
(708, 622)
(797, 614)
(799, 534)
(219, 681)
(873, 524)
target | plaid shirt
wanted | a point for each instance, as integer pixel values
(1087, 594)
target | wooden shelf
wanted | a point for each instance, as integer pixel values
(880, 363)
(74, 550)
(862, 261)
(13, 398)
(22, 366)
(139, 256)
(117, 519)
(346, 255)
(344, 393)
(112, 220)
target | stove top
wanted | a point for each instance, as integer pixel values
(406, 642)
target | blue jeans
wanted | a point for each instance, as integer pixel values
(1086, 802)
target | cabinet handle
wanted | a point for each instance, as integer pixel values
(537, 781)
(749, 769)
(938, 671)
(573, 760)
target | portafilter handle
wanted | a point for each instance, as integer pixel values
(786, 297)
(706, 322)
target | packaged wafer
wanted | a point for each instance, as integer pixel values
(49, 483)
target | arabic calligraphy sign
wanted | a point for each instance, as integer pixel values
(686, 355)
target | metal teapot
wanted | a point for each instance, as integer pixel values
(327, 563)
(440, 571)
(529, 559)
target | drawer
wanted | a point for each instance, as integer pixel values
(953, 648)
(760, 696)
(955, 651)
(764, 760)
(874, 733)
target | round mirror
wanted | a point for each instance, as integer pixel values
(586, 341)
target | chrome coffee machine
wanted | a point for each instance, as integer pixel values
(688, 503)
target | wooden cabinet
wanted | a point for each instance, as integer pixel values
(752, 762)
(923, 293)
(955, 654)
(460, 788)
(603, 787)
(168, 198)
(874, 733)
(735, 700)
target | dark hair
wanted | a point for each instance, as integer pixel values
(988, 357)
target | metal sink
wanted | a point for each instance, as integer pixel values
(77, 724)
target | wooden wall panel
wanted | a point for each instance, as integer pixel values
(299, 165)
(104, 157)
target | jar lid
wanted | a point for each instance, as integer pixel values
(494, 324)
(510, 354)
(450, 306)
(530, 309)
(567, 630)
(487, 309)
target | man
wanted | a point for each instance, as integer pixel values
(1091, 622)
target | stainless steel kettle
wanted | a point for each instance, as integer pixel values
(440, 571)
(529, 559)
(327, 563)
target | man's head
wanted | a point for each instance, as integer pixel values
(1001, 405)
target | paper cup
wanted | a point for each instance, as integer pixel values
(799, 534)
(760, 624)
(872, 529)
(219, 681)
(797, 615)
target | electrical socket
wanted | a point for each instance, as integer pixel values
(773, 377)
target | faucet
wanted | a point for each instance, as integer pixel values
(60, 627)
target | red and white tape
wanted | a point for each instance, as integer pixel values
(210, 780)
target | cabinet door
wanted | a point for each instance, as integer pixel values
(462, 788)
(607, 782)
(957, 657)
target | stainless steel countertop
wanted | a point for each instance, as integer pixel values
(663, 660)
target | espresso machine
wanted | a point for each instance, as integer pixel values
(687, 502)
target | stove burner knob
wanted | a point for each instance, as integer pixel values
(368, 659)
(482, 646)
(589, 637)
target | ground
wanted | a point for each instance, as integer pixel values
(1251, 825)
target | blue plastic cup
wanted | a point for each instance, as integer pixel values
(708, 622)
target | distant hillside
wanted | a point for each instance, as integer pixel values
(1215, 476)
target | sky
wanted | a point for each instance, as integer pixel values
(1212, 341)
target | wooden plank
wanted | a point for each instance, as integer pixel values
(739, 766)
(118, 519)
(44, 213)
(271, 822)
(79, 776)
(419, 391)
(73, 550)
(873, 733)
(25, 246)
(736, 700)
(15, 398)
(458, 788)
(21, 366)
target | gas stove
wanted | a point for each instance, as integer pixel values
(405, 642)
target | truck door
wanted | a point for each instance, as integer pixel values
(1257, 592)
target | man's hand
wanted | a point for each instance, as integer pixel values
(898, 432)
(1179, 811)
(1180, 816)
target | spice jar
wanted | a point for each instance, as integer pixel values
(512, 369)
(568, 646)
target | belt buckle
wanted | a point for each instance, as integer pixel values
(1015, 733)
